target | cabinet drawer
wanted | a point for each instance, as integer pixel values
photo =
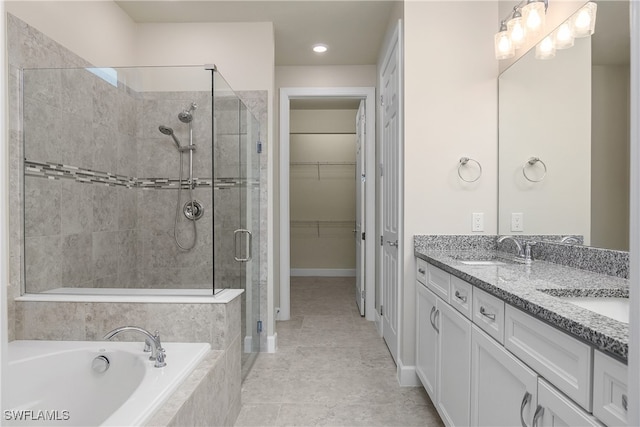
(461, 296)
(488, 314)
(609, 390)
(421, 271)
(438, 281)
(555, 409)
(561, 359)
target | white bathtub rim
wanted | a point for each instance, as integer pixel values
(19, 351)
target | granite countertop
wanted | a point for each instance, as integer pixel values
(534, 288)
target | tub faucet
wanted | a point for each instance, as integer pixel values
(152, 342)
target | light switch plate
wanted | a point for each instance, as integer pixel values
(517, 222)
(477, 222)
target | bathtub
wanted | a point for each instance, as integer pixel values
(53, 383)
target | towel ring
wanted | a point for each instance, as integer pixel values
(463, 162)
(532, 161)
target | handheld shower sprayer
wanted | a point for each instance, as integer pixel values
(168, 131)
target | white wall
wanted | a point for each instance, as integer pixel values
(450, 111)
(4, 211)
(98, 31)
(243, 52)
(545, 112)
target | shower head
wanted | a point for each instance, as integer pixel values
(168, 131)
(186, 116)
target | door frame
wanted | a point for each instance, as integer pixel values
(286, 95)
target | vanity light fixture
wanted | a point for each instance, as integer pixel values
(584, 21)
(516, 29)
(523, 22)
(564, 35)
(320, 48)
(546, 49)
(503, 45)
(528, 22)
(533, 14)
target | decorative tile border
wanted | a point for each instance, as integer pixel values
(58, 171)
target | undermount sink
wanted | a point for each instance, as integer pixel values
(483, 262)
(616, 308)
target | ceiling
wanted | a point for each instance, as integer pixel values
(353, 30)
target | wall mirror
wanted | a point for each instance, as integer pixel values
(564, 138)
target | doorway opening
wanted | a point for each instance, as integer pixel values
(324, 157)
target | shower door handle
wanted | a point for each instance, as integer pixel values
(235, 245)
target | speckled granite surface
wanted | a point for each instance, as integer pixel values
(534, 289)
(547, 248)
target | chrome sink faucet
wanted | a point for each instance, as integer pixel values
(152, 343)
(524, 251)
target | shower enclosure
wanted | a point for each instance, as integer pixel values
(141, 178)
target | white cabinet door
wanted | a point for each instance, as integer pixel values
(426, 339)
(454, 365)
(503, 389)
(555, 409)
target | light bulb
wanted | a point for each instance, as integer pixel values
(534, 17)
(564, 36)
(516, 32)
(546, 49)
(584, 21)
(502, 43)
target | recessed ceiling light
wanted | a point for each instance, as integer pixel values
(320, 48)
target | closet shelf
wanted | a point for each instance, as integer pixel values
(318, 164)
(318, 224)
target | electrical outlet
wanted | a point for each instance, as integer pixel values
(477, 222)
(517, 222)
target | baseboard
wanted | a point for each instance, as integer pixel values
(407, 376)
(323, 272)
(272, 343)
(378, 322)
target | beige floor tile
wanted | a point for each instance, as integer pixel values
(331, 369)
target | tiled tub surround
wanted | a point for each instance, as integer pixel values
(213, 386)
(533, 289)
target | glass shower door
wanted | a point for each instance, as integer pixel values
(237, 208)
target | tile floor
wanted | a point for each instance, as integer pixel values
(331, 368)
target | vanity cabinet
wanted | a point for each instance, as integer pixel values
(504, 391)
(609, 390)
(486, 363)
(427, 338)
(443, 359)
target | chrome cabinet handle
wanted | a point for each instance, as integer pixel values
(462, 298)
(433, 309)
(421, 271)
(525, 400)
(390, 243)
(625, 403)
(537, 416)
(485, 314)
(436, 315)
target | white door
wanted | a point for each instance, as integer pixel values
(391, 142)
(504, 391)
(360, 205)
